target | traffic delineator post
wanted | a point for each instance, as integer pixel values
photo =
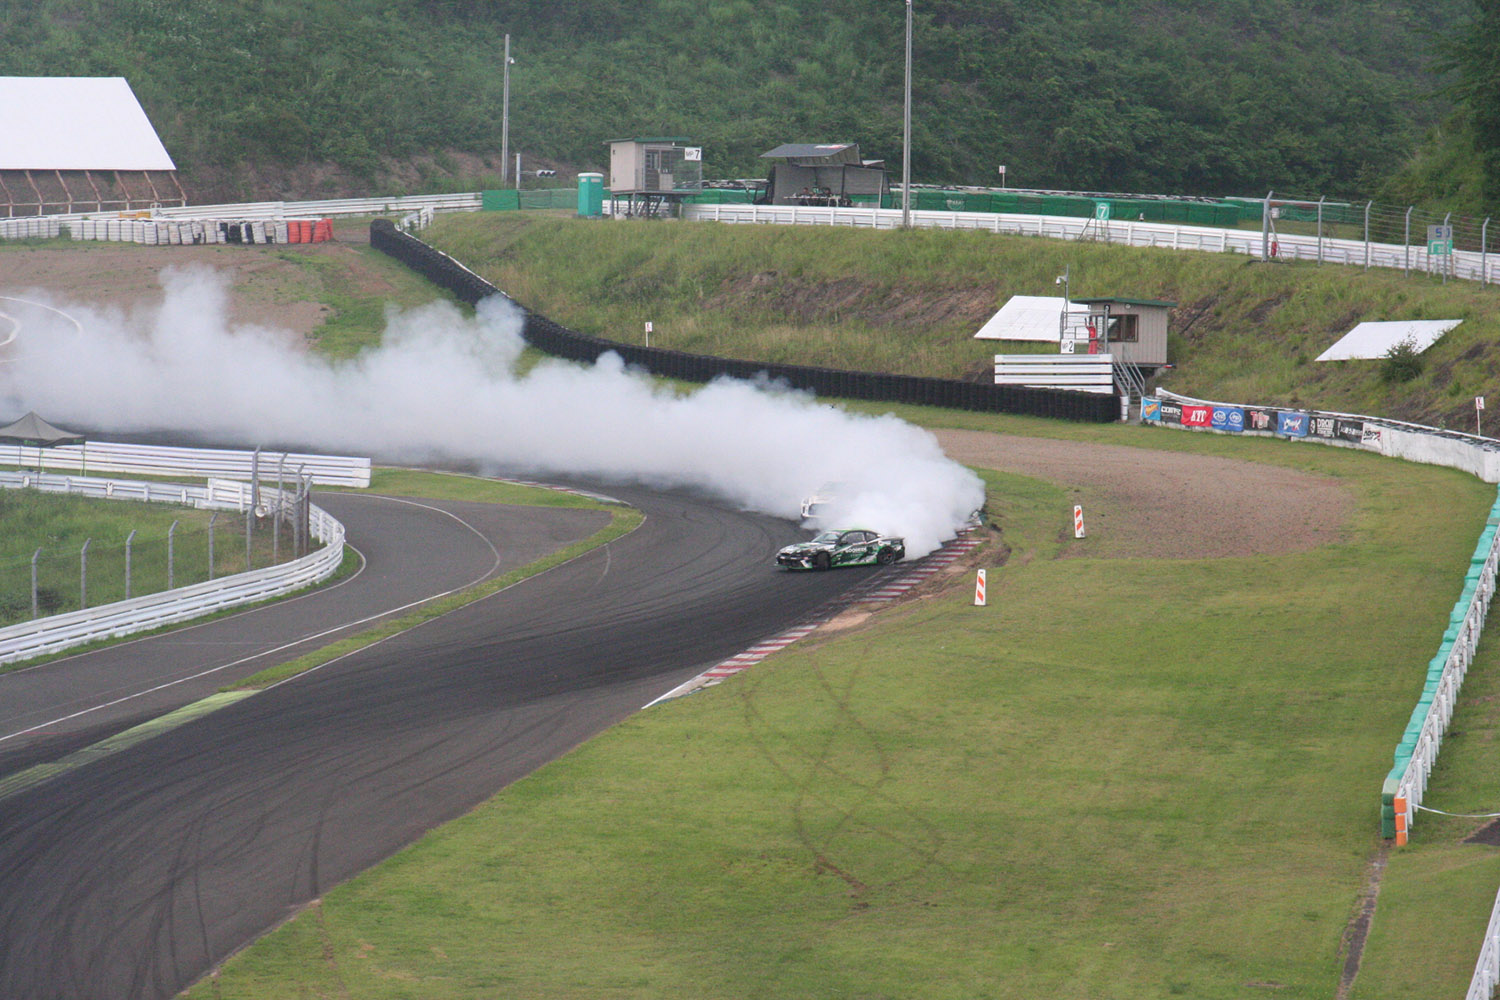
(979, 590)
(1399, 804)
(1078, 521)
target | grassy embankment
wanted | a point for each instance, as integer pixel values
(1126, 777)
(910, 302)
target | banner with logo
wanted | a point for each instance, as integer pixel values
(1259, 418)
(1150, 408)
(1322, 426)
(1171, 413)
(1194, 415)
(1350, 430)
(1291, 424)
(1228, 418)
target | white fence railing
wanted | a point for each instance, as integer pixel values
(110, 621)
(1468, 265)
(163, 460)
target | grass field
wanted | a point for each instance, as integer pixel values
(1125, 778)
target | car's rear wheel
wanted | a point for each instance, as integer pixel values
(886, 556)
(821, 561)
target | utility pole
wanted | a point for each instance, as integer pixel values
(505, 118)
(906, 133)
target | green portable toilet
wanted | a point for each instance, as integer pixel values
(590, 195)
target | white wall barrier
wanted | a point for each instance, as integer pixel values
(109, 621)
(164, 460)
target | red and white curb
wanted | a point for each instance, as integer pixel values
(919, 572)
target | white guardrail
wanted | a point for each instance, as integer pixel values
(162, 460)
(1466, 264)
(109, 621)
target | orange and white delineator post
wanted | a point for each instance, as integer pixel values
(1077, 520)
(979, 590)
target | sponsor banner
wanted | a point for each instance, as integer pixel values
(1323, 427)
(1228, 418)
(1150, 408)
(1349, 430)
(1171, 413)
(1197, 416)
(1291, 424)
(1258, 418)
(1371, 436)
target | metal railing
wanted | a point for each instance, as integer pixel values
(165, 460)
(65, 631)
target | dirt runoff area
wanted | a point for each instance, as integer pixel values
(1171, 505)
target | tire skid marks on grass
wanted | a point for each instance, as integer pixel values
(878, 591)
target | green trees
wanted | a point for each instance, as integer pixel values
(1474, 55)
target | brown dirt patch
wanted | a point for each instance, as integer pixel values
(1172, 505)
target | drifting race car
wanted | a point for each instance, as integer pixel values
(850, 547)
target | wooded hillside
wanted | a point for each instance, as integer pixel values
(1206, 97)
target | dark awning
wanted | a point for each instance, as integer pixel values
(34, 432)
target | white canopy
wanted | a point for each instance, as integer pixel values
(1373, 340)
(76, 123)
(1026, 317)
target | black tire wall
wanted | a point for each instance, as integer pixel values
(550, 338)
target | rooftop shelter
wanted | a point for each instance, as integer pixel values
(824, 174)
(79, 144)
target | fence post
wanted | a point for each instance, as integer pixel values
(1265, 227)
(83, 575)
(34, 557)
(1484, 253)
(1367, 234)
(214, 517)
(249, 519)
(170, 532)
(1320, 227)
(128, 539)
(1406, 244)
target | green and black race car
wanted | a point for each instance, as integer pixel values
(850, 547)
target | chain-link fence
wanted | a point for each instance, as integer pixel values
(56, 579)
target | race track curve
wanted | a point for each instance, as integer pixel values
(131, 876)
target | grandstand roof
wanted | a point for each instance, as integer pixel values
(76, 123)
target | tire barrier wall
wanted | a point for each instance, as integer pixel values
(174, 232)
(554, 339)
(109, 621)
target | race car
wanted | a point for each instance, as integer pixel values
(849, 547)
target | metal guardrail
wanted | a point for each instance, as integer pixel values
(111, 621)
(1467, 265)
(164, 460)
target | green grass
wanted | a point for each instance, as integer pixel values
(911, 301)
(1129, 778)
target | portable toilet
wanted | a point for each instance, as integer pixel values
(590, 195)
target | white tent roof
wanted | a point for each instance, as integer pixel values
(76, 123)
(1373, 340)
(1026, 317)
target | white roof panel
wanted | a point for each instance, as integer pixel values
(1373, 340)
(76, 123)
(1026, 317)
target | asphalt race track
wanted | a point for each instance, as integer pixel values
(131, 876)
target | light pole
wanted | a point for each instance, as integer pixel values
(906, 133)
(1062, 321)
(505, 118)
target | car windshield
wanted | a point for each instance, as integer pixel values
(830, 537)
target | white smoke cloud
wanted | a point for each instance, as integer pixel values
(442, 386)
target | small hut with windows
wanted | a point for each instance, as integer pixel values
(648, 176)
(1133, 330)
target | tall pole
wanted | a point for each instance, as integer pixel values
(906, 133)
(505, 118)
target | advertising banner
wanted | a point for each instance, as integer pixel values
(1291, 424)
(1258, 418)
(1323, 427)
(1228, 418)
(1350, 430)
(1197, 416)
(1371, 437)
(1150, 408)
(1171, 413)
